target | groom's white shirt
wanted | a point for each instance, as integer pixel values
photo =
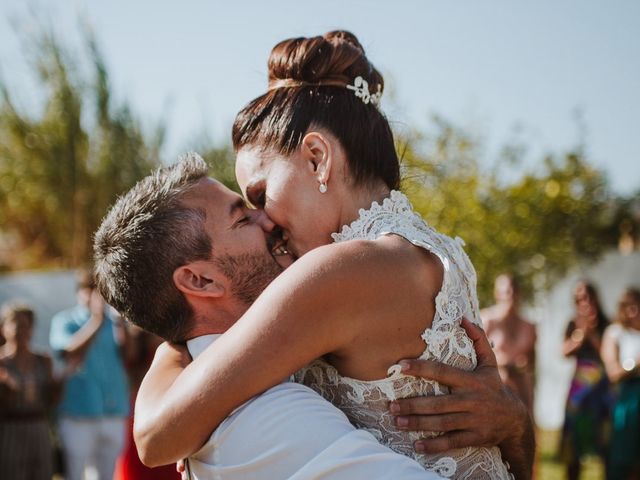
(290, 432)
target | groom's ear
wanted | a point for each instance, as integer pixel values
(317, 152)
(198, 279)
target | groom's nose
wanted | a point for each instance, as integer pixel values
(263, 220)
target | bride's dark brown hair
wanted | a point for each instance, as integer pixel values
(307, 88)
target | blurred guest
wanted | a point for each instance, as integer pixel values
(513, 338)
(587, 409)
(27, 390)
(95, 404)
(142, 346)
(621, 355)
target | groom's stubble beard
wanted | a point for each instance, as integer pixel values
(249, 274)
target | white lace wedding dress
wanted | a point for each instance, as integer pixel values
(366, 402)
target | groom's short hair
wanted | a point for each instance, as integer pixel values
(146, 235)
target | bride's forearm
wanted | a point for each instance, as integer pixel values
(177, 413)
(149, 427)
(160, 436)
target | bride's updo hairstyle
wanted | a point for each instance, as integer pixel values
(308, 79)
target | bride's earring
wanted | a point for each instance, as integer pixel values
(323, 187)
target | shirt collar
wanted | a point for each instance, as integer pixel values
(198, 345)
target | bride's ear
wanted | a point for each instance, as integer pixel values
(198, 279)
(317, 152)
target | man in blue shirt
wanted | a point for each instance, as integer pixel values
(95, 402)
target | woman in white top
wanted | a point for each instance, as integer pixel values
(621, 356)
(318, 155)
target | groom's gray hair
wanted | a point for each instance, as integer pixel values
(146, 235)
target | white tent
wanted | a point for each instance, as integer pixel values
(46, 292)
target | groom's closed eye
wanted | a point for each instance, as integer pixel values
(243, 220)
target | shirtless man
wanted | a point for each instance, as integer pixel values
(513, 338)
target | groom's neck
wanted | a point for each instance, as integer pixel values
(214, 321)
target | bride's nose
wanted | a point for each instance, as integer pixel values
(263, 220)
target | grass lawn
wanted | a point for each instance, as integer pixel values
(549, 466)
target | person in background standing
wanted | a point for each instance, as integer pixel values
(587, 409)
(142, 346)
(93, 412)
(513, 338)
(621, 355)
(27, 391)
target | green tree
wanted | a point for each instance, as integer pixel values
(221, 161)
(63, 165)
(537, 226)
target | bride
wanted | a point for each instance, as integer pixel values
(374, 284)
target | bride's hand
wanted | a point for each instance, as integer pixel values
(172, 354)
(479, 411)
(182, 470)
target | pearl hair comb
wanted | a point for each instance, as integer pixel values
(361, 89)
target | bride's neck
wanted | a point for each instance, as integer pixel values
(362, 197)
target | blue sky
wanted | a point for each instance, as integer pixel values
(489, 65)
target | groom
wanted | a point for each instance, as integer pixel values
(154, 258)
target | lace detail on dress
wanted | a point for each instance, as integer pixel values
(366, 402)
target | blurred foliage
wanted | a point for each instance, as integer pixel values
(222, 164)
(536, 227)
(62, 165)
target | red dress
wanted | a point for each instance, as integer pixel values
(129, 466)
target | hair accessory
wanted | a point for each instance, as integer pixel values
(323, 187)
(293, 83)
(361, 88)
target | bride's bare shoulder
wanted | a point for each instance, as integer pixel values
(388, 259)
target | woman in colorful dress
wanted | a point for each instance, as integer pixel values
(587, 409)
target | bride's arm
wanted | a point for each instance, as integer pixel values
(298, 318)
